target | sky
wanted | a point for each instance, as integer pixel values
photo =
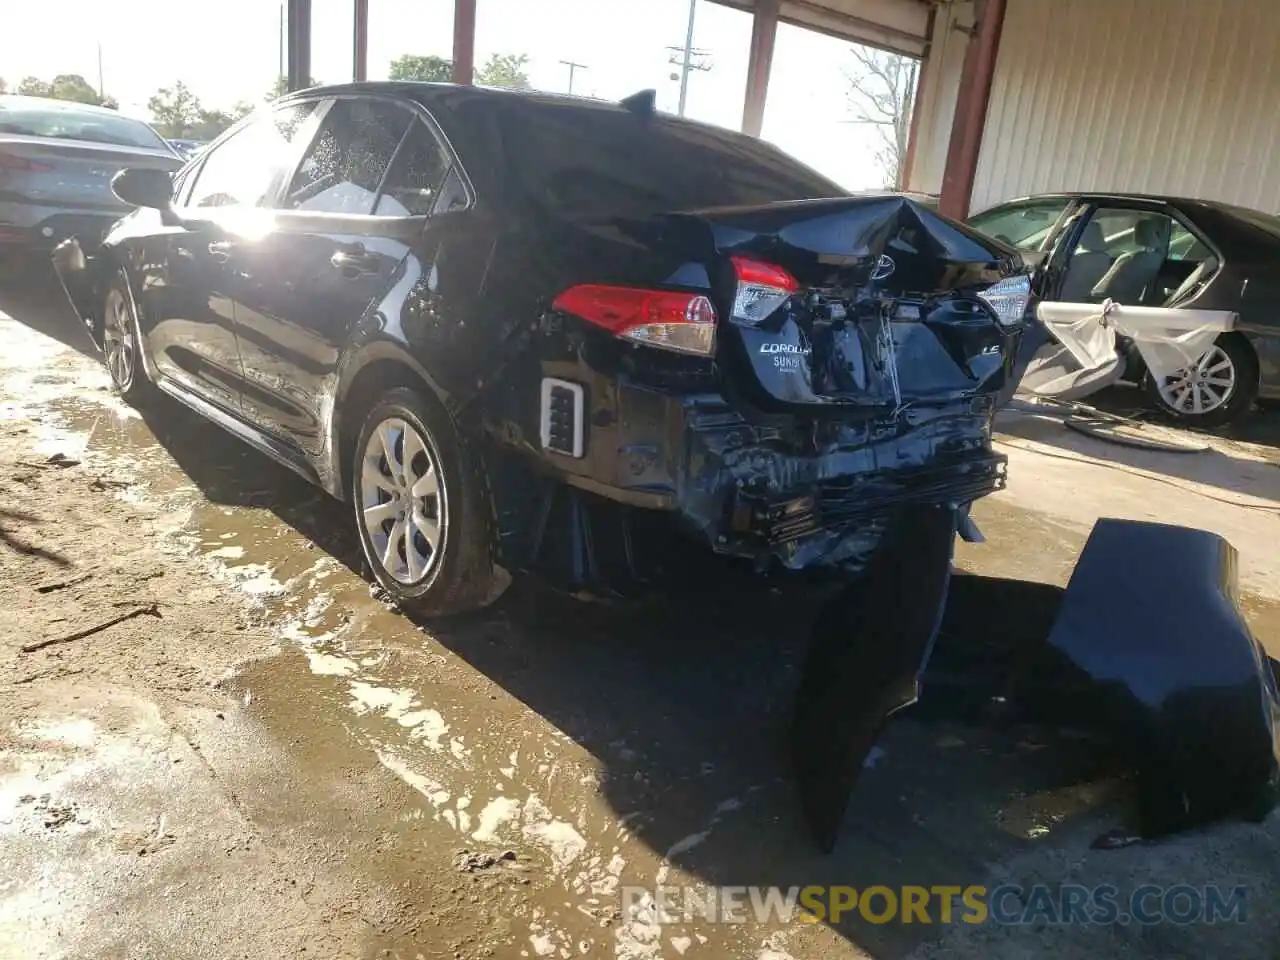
(229, 50)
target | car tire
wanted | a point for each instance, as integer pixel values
(424, 523)
(1241, 367)
(121, 349)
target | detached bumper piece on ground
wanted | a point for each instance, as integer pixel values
(1150, 655)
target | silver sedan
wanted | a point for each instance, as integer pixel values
(56, 163)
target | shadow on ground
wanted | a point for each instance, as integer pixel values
(1233, 464)
(31, 293)
(704, 681)
(1260, 426)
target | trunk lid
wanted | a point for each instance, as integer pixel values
(56, 172)
(875, 304)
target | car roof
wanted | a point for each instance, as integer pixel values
(425, 90)
(443, 95)
(1220, 207)
(1103, 196)
(10, 100)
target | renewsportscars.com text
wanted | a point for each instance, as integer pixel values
(1007, 904)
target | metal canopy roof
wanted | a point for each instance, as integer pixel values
(898, 25)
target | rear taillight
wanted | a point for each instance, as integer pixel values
(669, 320)
(14, 161)
(1008, 299)
(762, 289)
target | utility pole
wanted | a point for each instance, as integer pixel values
(102, 94)
(280, 63)
(572, 67)
(687, 58)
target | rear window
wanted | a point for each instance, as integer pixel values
(68, 123)
(595, 160)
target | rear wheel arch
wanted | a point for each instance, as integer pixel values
(378, 372)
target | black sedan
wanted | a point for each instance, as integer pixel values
(1164, 252)
(494, 322)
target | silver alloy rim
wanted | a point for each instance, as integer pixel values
(402, 501)
(117, 341)
(1203, 386)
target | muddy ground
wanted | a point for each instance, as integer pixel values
(261, 760)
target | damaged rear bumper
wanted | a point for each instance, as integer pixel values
(1146, 648)
(78, 272)
(787, 493)
(821, 494)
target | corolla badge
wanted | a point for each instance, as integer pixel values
(883, 268)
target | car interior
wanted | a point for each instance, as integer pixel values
(1135, 257)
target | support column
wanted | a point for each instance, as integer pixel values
(299, 43)
(360, 31)
(464, 41)
(971, 109)
(764, 30)
(917, 98)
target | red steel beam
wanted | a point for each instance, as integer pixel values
(299, 44)
(464, 41)
(764, 31)
(360, 31)
(971, 109)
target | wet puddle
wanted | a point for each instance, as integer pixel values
(577, 751)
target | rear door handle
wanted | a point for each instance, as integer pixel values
(221, 250)
(354, 262)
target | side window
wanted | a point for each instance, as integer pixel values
(1121, 255)
(243, 170)
(1025, 225)
(347, 160)
(415, 176)
(453, 195)
(1185, 245)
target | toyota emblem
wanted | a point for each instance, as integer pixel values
(884, 267)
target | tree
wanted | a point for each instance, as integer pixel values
(65, 86)
(281, 87)
(4, 87)
(175, 110)
(505, 70)
(209, 123)
(501, 70)
(179, 114)
(412, 67)
(882, 92)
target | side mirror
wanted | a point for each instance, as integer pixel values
(140, 187)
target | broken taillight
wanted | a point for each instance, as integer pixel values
(667, 319)
(1008, 299)
(762, 288)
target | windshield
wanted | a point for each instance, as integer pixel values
(69, 123)
(591, 159)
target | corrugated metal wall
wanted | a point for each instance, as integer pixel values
(1178, 97)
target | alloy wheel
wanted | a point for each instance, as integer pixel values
(117, 339)
(1201, 387)
(402, 501)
